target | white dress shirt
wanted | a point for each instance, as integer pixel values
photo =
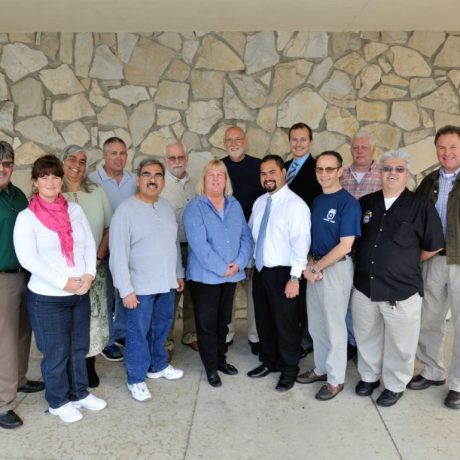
(287, 241)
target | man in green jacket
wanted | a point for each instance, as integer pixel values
(441, 274)
(15, 330)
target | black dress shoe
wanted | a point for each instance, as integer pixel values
(31, 386)
(10, 420)
(260, 371)
(389, 398)
(366, 388)
(255, 347)
(214, 379)
(452, 400)
(227, 369)
(305, 351)
(285, 383)
(421, 383)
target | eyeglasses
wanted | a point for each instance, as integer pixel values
(234, 140)
(73, 160)
(7, 164)
(327, 170)
(176, 159)
(397, 169)
(148, 176)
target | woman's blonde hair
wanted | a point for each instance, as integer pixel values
(228, 190)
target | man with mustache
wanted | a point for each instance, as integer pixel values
(147, 269)
(280, 225)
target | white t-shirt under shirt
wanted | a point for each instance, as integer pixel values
(39, 251)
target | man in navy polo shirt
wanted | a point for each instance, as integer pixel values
(335, 225)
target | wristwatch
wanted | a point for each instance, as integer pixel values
(313, 269)
(295, 279)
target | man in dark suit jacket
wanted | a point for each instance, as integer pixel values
(301, 178)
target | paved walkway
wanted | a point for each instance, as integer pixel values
(244, 419)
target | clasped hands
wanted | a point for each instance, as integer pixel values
(79, 285)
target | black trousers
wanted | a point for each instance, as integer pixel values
(213, 312)
(278, 319)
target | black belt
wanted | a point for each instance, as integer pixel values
(184, 245)
(442, 253)
(18, 270)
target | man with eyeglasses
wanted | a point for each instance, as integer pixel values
(15, 332)
(359, 179)
(179, 189)
(243, 170)
(119, 184)
(441, 274)
(399, 229)
(301, 179)
(147, 269)
(335, 225)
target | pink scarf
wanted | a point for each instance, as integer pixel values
(55, 216)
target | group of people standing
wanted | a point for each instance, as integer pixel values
(322, 271)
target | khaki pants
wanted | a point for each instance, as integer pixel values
(252, 329)
(327, 304)
(442, 291)
(386, 337)
(15, 335)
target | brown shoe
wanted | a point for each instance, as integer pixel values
(329, 391)
(310, 377)
(193, 345)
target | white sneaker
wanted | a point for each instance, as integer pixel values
(139, 391)
(91, 402)
(68, 413)
(169, 373)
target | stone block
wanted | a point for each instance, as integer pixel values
(201, 116)
(106, 66)
(371, 111)
(308, 45)
(172, 94)
(207, 84)
(216, 55)
(61, 80)
(260, 52)
(72, 108)
(18, 60)
(405, 115)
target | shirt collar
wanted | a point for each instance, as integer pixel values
(445, 175)
(182, 181)
(301, 161)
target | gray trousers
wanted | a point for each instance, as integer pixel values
(442, 291)
(387, 339)
(327, 303)
(252, 330)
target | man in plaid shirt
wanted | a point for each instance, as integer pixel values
(360, 178)
(363, 175)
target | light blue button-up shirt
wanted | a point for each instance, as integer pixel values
(116, 191)
(215, 240)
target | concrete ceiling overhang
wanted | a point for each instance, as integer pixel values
(220, 15)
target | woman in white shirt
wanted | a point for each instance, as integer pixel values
(53, 241)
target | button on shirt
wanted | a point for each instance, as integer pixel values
(287, 240)
(116, 191)
(388, 252)
(446, 182)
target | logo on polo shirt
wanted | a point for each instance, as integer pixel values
(330, 216)
(367, 217)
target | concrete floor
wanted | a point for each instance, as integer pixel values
(244, 419)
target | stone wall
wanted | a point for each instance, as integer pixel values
(62, 88)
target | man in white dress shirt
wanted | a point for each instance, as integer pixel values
(280, 225)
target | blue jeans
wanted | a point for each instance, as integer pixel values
(147, 329)
(117, 324)
(61, 328)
